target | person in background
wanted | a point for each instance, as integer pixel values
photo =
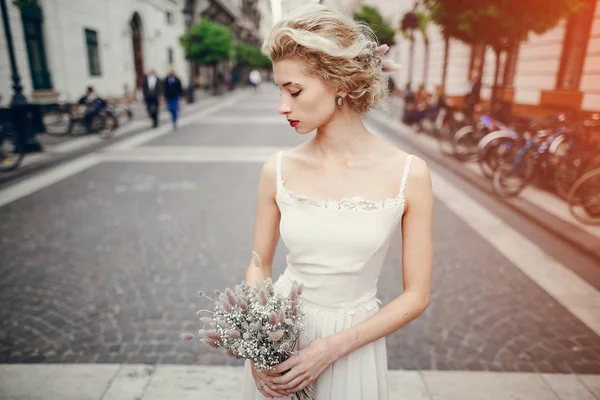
(126, 92)
(255, 78)
(173, 92)
(152, 93)
(410, 105)
(472, 97)
(92, 105)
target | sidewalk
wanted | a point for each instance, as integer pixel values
(180, 382)
(57, 149)
(544, 208)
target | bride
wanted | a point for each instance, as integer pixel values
(336, 200)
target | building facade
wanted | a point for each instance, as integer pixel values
(241, 16)
(62, 46)
(559, 69)
(288, 6)
(265, 10)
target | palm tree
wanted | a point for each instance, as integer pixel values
(424, 19)
(408, 26)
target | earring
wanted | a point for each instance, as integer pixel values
(339, 101)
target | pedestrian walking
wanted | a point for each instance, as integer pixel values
(152, 93)
(255, 79)
(173, 92)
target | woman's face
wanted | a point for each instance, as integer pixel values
(305, 100)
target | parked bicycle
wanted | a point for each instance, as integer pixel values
(98, 116)
(584, 198)
(11, 149)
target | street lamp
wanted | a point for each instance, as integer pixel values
(21, 111)
(18, 97)
(188, 13)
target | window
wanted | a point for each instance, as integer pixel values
(170, 55)
(169, 18)
(93, 53)
(31, 15)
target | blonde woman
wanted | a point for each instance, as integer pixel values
(336, 201)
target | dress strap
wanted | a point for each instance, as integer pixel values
(405, 175)
(279, 169)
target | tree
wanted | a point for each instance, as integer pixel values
(208, 43)
(383, 30)
(408, 26)
(424, 19)
(250, 56)
(500, 24)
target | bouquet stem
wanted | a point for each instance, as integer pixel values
(305, 394)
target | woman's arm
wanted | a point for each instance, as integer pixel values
(266, 235)
(266, 224)
(417, 265)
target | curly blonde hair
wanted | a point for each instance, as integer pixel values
(334, 48)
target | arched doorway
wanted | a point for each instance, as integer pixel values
(138, 56)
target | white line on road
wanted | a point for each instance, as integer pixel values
(276, 120)
(199, 116)
(182, 382)
(47, 178)
(63, 171)
(579, 297)
(260, 105)
(193, 154)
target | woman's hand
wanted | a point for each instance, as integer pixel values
(304, 368)
(263, 386)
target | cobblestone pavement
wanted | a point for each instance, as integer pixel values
(104, 265)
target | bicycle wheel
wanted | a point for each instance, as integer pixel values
(445, 140)
(464, 144)
(566, 174)
(492, 156)
(11, 153)
(510, 179)
(584, 198)
(57, 124)
(109, 126)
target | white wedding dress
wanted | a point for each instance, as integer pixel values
(337, 250)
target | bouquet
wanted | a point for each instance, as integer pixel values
(255, 323)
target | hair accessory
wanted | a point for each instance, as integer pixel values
(376, 53)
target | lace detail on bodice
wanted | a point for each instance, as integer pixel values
(352, 203)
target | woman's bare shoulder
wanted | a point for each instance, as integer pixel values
(390, 153)
(397, 158)
(299, 154)
(269, 168)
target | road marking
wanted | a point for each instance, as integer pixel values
(579, 297)
(157, 382)
(192, 154)
(199, 116)
(70, 168)
(275, 120)
(47, 178)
